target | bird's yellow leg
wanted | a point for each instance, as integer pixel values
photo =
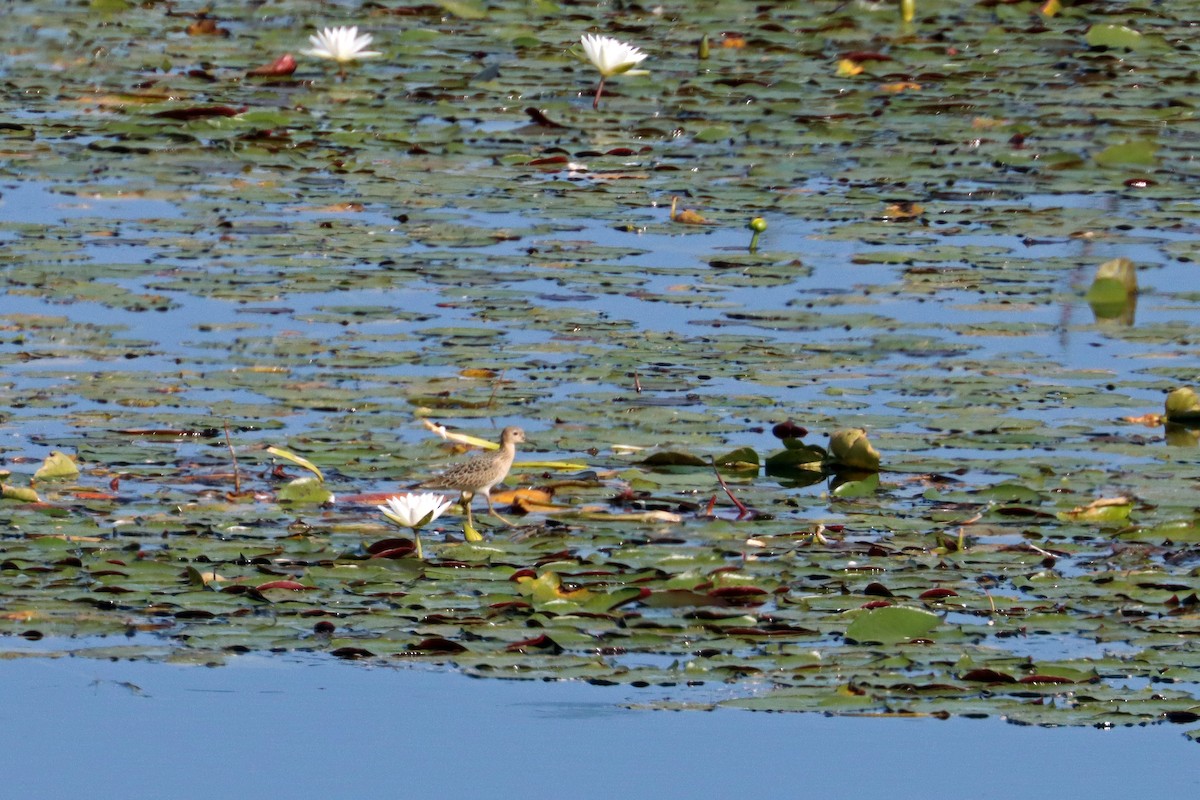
(494, 512)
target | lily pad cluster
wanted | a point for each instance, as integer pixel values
(985, 513)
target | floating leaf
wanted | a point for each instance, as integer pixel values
(529, 501)
(686, 216)
(855, 483)
(22, 494)
(547, 588)
(903, 211)
(1106, 509)
(198, 578)
(57, 465)
(847, 68)
(282, 66)
(535, 282)
(630, 517)
(797, 456)
(306, 490)
(206, 26)
(896, 88)
(470, 533)
(1140, 152)
(462, 438)
(465, 9)
(791, 434)
(197, 112)
(1113, 293)
(295, 459)
(744, 458)
(670, 459)
(891, 625)
(987, 676)
(1113, 36)
(291, 586)
(1119, 270)
(1183, 405)
(850, 447)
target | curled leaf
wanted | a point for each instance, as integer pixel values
(903, 210)
(22, 494)
(1183, 405)
(1114, 289)
(850, 447)
(461, 438)
(1121, 270)
(298, 460)
(848, 69)
(808, 457)
(57, 465)
(470, 533)
(744, 458)
(280, 67)
(686, 216)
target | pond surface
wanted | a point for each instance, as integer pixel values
(199, 264)
(321, 729)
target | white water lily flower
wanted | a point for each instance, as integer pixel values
(415, 510)
(342, 45)
(611, 57)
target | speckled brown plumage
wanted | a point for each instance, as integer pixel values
(479, 474)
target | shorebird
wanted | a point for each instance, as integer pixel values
(480, 473)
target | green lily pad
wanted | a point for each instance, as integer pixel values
(475, 262)
(891, 625)
(804, 457)
(306, 490)
(1136, 152)
(1113, 36)
(742, 459)
(674, 459)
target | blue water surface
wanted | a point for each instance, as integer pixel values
(280, 727)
